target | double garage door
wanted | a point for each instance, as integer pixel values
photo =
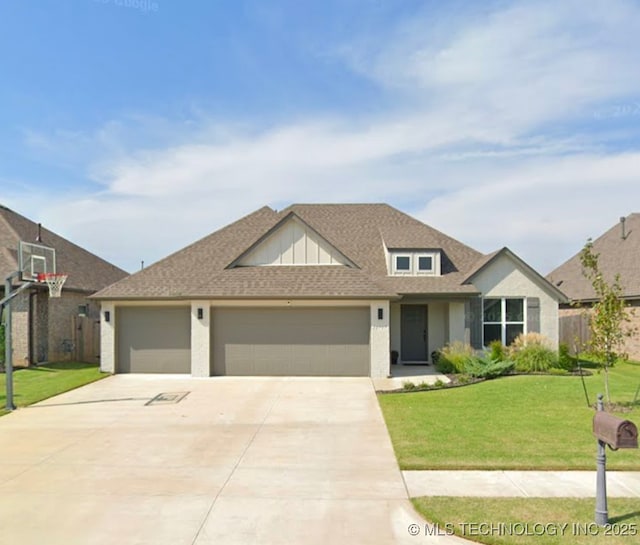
(248, 341)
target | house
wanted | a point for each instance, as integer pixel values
(41, 326)
(318, 289)
(619, 253)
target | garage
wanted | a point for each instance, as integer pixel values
(153, 340)
(290, 341)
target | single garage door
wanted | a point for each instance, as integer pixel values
(288, 341)
(153, 340)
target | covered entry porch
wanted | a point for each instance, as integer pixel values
(419, 327)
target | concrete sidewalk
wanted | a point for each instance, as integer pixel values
(524, 484)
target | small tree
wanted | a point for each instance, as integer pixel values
(608, 315)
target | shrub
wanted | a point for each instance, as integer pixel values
(526, 339)
(408, 385)
(486, 367)
(454, 357)
(532, 353)
(565, 360)
(438, 384)
(497, 351)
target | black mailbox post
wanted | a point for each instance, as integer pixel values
(617, 433)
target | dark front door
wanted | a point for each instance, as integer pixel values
(413, 324)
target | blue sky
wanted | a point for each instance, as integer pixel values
(134, 127)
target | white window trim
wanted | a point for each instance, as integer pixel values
(414, 258)
(402, 272)
(426, 272)
(503, 312)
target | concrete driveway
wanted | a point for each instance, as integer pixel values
(256, 460)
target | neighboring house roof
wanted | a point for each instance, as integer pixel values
(87, 272)
(361, 233)
(619, 253)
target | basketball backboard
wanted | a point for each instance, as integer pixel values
(35, 259)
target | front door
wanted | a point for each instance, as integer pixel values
(413, 324)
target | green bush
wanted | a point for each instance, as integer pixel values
(497, 351)
(535, 358)
(565, 360)
(454, 357)
(486, 367)
(533, 353)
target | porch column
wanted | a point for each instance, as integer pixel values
(456, 322)
(107, 337)
(379, 339)
(200, 338)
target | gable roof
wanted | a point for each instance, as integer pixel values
(360, 232)
(617, 255)
(273, 232)
(486, 261)
(87, 272)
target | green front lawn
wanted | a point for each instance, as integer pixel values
(535, 521)
(517, 422)
(37, 383)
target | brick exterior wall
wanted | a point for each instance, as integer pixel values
(51, 325)
(60, 324)
(571, 328)
(20, 329)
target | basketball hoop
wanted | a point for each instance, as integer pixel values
(54, 281)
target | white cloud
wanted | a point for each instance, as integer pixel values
(477, 144)
(545, 209)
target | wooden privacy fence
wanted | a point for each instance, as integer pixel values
(574, 331)
(85, 343)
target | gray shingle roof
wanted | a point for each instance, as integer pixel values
(617, 255)
(87, 272)
(359, 231)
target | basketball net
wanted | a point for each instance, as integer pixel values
(54, 282)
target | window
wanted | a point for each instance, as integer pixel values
(503, 319)
(414, 262)
(403, 263)
(425, 263)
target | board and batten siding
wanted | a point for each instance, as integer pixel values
(504, 278)
(293, 243)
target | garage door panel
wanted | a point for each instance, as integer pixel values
(281, 342)
(154, 340)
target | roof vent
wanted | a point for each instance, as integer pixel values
(623, 226)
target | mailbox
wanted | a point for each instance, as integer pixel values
(614, 431)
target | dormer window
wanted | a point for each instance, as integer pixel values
(425, 264)
(414, 263)
(402, 264)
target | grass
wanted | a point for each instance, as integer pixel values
(547, 521)
(37, 383)
(519, 422)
